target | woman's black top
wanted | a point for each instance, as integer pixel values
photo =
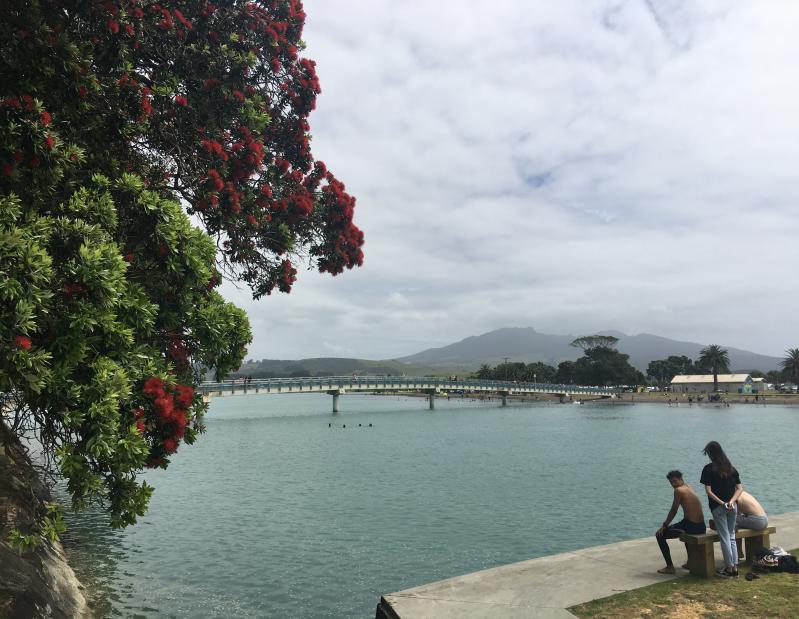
(722, 487)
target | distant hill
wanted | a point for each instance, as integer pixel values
(333, 366)
(526, 344)
(517, 344)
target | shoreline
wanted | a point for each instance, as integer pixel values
(548, 586)
(677, 400)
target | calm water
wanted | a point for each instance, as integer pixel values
(274, 514)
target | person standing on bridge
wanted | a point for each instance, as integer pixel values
(693, 519)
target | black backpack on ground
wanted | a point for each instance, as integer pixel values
(789, 564)
(767, 561)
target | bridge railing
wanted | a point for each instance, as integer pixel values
(386, 382)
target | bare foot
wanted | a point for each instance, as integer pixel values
(669, 569)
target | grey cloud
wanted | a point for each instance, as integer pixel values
(571, 166)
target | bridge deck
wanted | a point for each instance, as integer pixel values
(343, 384)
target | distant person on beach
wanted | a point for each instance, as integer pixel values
(723, 487)
(693, 520)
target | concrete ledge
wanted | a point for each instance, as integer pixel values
(547, 586)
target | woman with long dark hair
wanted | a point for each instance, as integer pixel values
(723, 487)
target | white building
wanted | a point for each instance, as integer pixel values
(703, 383)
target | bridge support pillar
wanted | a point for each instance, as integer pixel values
(431, 398)
(335, 393)
(504, 396)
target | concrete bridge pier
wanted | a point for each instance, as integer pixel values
(431, 398)
(335, 393)
(504, 395)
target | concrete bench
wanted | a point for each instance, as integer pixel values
(701, 561)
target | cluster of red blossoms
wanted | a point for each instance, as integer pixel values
(22, 342)
(26, 105)
(247, 171)
(170, 405)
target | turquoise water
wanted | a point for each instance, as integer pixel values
(274, 514)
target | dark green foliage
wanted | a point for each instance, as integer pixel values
(589, 342)
(602, 366)
(790, 365)
(662, 371)
(519, 372)
(714, 359)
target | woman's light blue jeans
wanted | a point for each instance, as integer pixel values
(725, 525)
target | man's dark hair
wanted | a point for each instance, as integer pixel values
(673, 474)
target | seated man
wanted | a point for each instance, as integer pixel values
(751, 514)
(693, 520)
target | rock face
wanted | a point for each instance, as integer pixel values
(35, 583)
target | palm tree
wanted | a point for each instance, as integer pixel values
(715, 358)
(790, 365)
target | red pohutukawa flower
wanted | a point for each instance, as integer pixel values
(153, 387)
(184, 395)
(170, 405)
(22, 342)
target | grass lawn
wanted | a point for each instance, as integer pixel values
(771, 595)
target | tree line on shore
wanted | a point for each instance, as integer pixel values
(603, 364)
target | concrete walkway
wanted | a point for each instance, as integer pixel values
(547, 586)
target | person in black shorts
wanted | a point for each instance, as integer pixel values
(693, 520)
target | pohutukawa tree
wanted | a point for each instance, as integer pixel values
(118, 121)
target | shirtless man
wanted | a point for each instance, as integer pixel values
(693, 520)
(751, 514)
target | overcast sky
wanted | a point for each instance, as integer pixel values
(572, 166)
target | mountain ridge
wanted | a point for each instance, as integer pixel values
(514, 343)
(528, 345)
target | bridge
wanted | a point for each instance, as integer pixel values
(337, 385)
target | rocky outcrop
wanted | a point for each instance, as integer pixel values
(39, 582)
